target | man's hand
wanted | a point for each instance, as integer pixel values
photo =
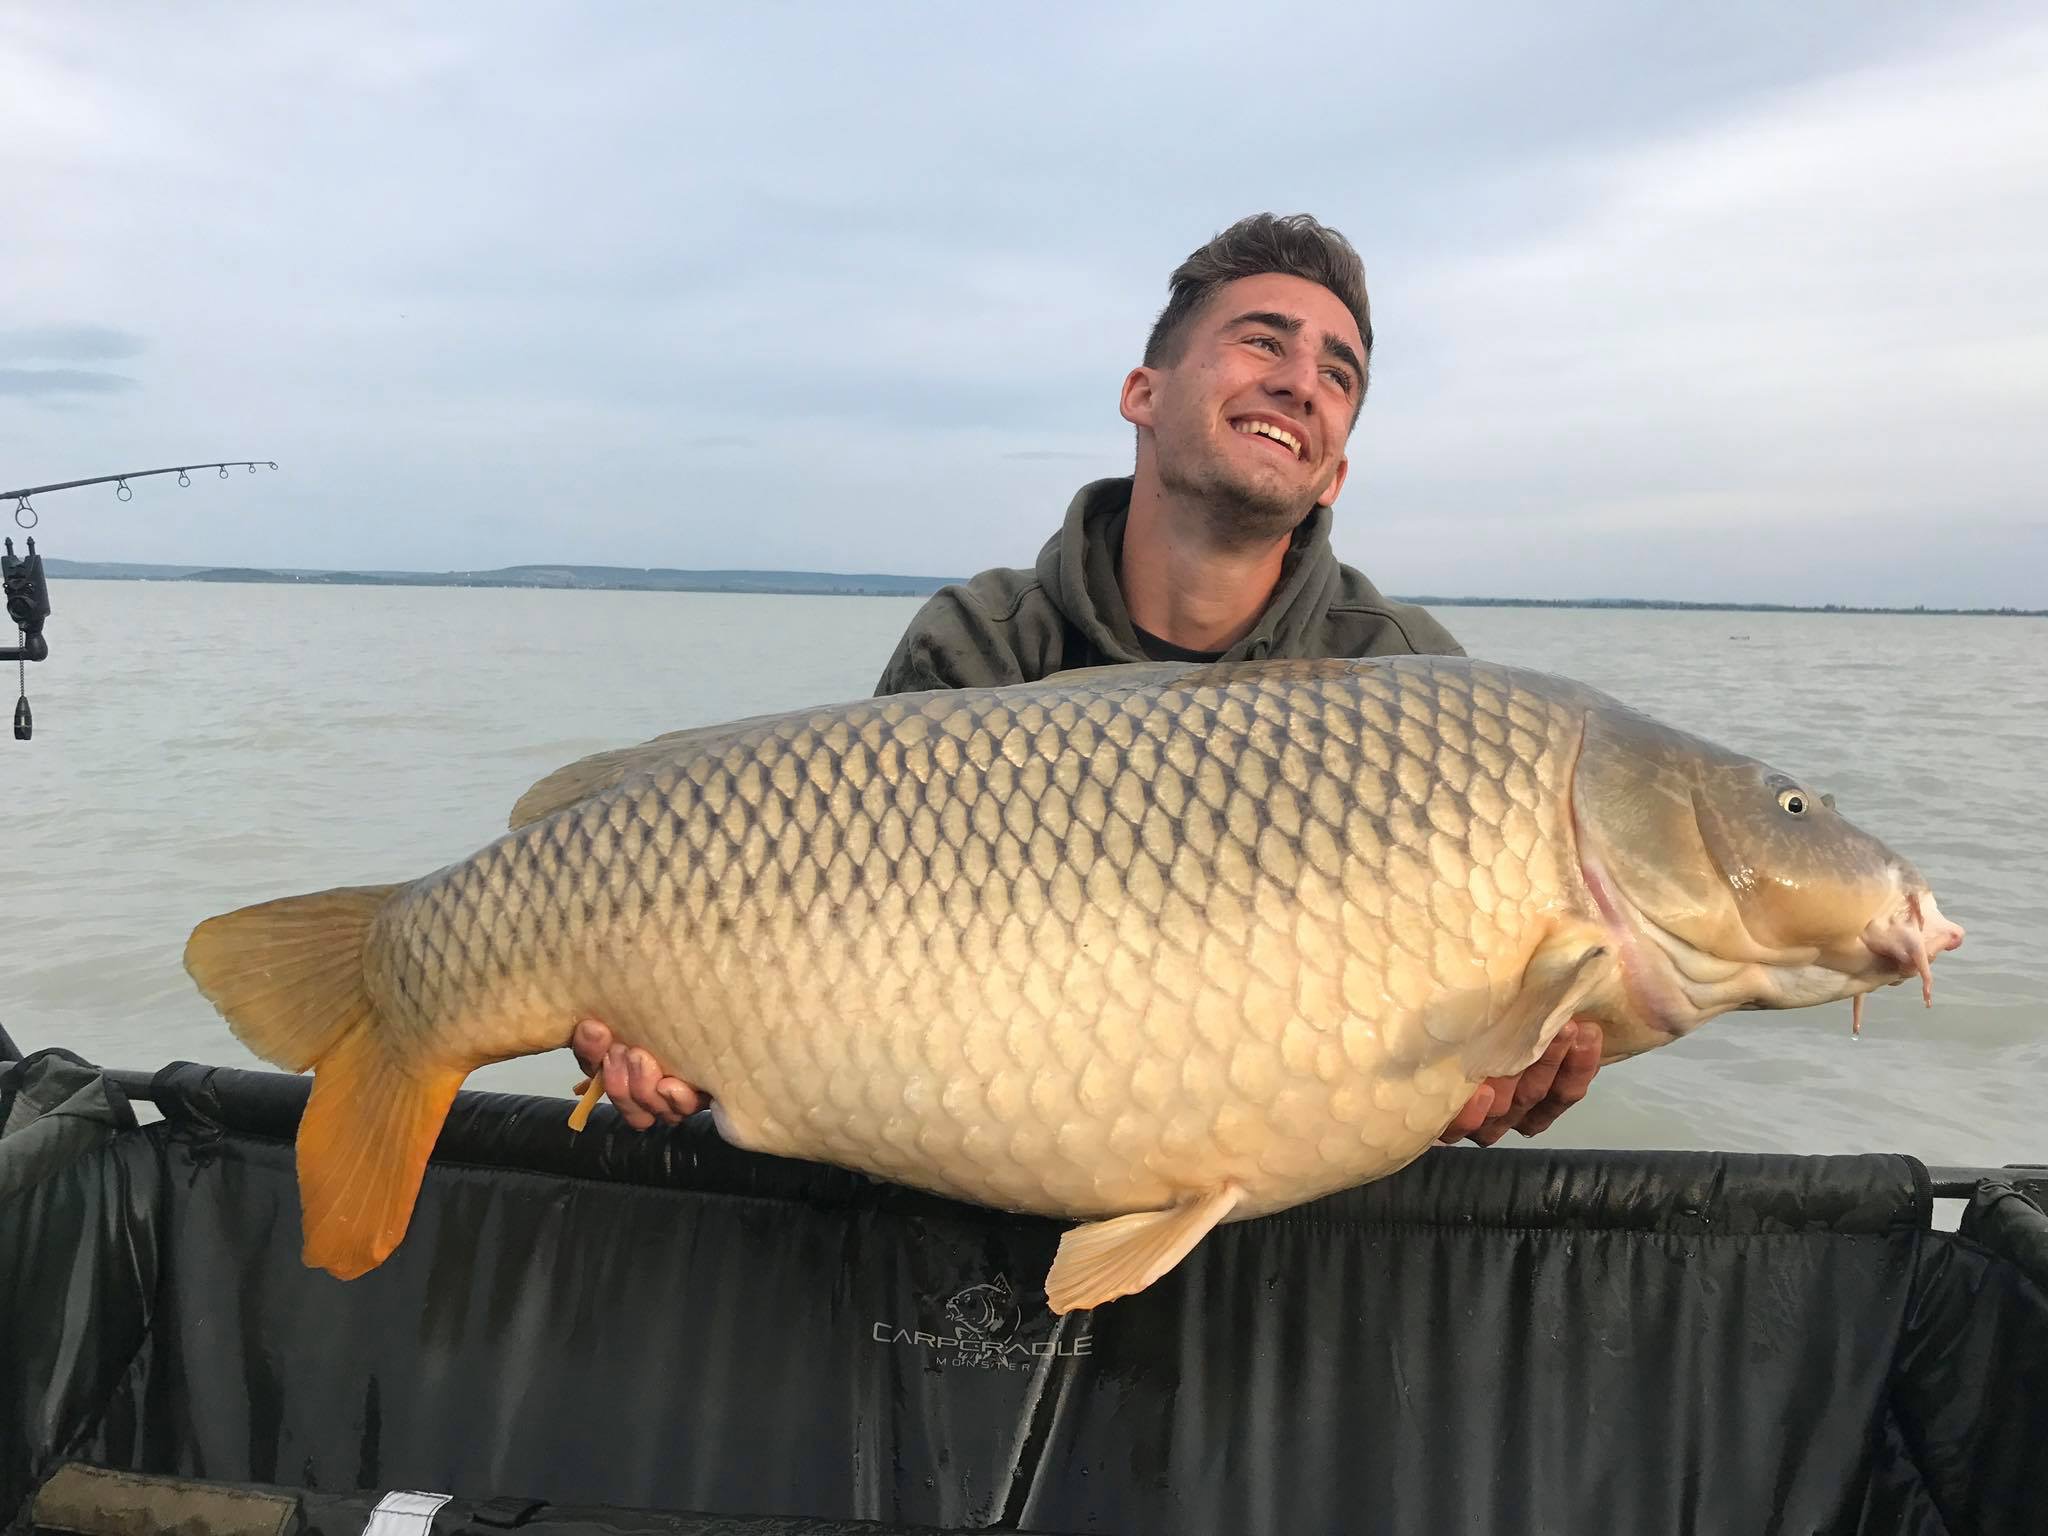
(1531, 1103)
(633, 1080)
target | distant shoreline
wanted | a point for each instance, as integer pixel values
(608, 578)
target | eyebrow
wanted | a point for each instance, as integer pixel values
(1333, 346)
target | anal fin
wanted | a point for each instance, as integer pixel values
(1103, 1260)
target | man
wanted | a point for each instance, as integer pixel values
(1215, 548)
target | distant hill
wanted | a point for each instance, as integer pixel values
(626, 578)
(585, 578)
(1686, 607)
(114, 570)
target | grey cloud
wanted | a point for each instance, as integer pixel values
(912, 402)
(1047, 455)
(69, 343)
(717, 377)
(41, 382)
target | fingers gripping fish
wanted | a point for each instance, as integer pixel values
(1146, 948)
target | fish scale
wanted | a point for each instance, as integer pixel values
(914, 935)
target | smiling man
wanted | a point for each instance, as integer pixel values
(1217, 547)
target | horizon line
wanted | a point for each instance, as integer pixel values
(762, 578)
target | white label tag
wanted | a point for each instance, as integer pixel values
(404, 1514)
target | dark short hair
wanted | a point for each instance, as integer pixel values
(1294, 244)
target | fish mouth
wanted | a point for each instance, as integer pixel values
(1904, 941)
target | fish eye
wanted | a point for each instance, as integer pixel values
(1793, 801)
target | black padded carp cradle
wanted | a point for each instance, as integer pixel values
(621, 1333)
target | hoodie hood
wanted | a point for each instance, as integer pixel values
(1079, 564)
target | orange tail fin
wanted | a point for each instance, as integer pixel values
(363, 1147)
(288, 977)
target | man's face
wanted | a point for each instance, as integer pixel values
(1268, 357)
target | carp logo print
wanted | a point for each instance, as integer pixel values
(981, 1330)
(984, 1312)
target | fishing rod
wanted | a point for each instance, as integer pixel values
(21, 576)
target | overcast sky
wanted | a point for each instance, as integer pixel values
(1744, 301)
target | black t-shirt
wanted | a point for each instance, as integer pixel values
(1166, 650)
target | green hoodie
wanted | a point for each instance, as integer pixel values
(1014, 626)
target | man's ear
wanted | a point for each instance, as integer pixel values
(1140, 396)
(1329, 496)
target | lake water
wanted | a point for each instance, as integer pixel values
(199, 747)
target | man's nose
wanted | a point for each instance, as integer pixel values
(1295, 378)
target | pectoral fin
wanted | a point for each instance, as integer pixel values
(1560, 976)
(1106, 1259)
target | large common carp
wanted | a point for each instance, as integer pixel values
(1149, 948)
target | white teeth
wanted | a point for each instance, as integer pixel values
(1267, 429)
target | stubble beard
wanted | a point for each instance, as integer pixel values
(1236, 511)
